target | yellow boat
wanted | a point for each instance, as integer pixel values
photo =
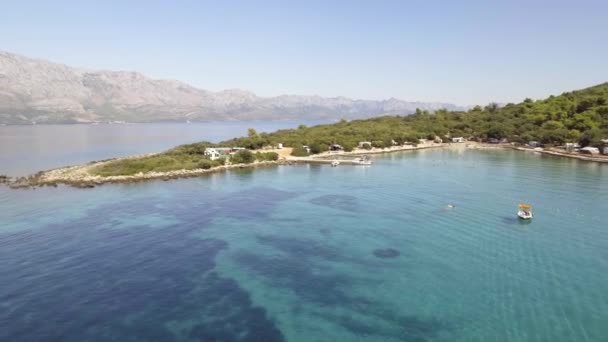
(525, 211)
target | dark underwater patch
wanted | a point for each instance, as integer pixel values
(299, 247)
(404, 327)
(299, 275)
(73, 282)
(253, 203)
(325, 232)
(340, 202)
(386, 253)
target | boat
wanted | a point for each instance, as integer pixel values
(335, 163)
(525, 211)
(362, 161)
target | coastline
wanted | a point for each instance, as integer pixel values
(597, 159)
(79, 176)
(552, 152)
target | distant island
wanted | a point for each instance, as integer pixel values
(35, 91)
(574, 124)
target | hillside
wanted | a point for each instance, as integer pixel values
(38, 91)
(580, 115)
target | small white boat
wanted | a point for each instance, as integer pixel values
(335, 163)
(525, 212)
(362, 161)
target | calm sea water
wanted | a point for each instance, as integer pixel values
(315, 253)
(28, 149)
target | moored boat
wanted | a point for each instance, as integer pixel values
(362, 161)
(335, 163)
(525, 211)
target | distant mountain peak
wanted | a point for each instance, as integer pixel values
(35, 90)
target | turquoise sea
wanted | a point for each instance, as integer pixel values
(315, 253)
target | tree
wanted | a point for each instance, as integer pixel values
(252, 133)
(492, 107)
(591, 137)
(552, 125)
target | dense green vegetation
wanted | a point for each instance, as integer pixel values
(574, 116)
(184, 157)
(160, 163)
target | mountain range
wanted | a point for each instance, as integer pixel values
(39, 91)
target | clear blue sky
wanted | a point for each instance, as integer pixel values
(464, 52)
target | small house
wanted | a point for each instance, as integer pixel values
(590, 150)
(336, 148)
(571, 147)
(365, 144)
(212, 153)
(604, 146)
(458, 140)
(280, 146)
(534, 144)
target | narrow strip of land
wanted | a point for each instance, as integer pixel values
(87, 175)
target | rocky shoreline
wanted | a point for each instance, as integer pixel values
(79, 176)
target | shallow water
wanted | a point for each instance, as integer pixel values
(290, 253)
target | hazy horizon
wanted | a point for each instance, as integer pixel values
(466, 54)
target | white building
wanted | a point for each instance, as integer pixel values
(212, 153)
(458, 140)
(590, 150)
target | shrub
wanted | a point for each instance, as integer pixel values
(205, 164)
(267, 156)
(378, 143)
(299, 151)
(316, 148)
(243, 157)
(348, 146)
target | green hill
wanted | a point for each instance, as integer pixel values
(580, 115)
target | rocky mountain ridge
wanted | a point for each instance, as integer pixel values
(38, 91)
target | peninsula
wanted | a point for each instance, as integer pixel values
(574, 124)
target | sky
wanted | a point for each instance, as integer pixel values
(461, 52)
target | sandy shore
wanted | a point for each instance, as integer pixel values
(552, 152)
(598, 159)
